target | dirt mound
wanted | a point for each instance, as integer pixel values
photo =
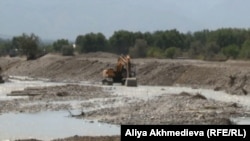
(59, 68)
(232, 76)
(8, 62)
(157, 73)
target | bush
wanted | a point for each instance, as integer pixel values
(231, 51)
(171, 52)
(27, 45)
(155, 52)
(139, 50)
(245, 50)
(67, 50)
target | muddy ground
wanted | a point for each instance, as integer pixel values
(95, 102)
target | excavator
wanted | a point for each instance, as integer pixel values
(123, 73)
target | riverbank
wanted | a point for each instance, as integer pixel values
(169, 91)
(118, 105)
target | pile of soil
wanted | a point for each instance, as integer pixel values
(232, 76)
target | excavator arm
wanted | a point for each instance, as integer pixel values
(122, 73)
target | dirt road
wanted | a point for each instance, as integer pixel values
(154, 104)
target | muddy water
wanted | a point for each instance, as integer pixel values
(50, 125)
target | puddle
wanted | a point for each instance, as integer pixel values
(50, 125)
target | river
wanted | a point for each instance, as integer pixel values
(61, 125)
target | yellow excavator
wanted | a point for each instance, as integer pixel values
(124, 73)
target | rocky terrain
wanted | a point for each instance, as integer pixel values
(82, 76)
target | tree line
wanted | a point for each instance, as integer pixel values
(220, 44)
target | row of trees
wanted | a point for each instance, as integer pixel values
(209, 45)
(22, 45)
(217, 44)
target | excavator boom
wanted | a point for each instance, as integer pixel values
(122, 73)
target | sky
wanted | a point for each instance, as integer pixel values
(66, 19)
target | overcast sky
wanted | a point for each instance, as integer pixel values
(56, 19)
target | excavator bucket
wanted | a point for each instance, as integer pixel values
(131, 82)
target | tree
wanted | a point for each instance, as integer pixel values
(101, 42)
(229, 36)
(159, 39)
(155, 52)
(121, 41)
(196, 48)
(149, 38)
(67, 50)
(201, 44)
(5, 47)
(168, 38)
(201, 36)
(245, 50)
(27, 45)
(139, 49)
(171, 52)
(231, 51)
(58, 45)
(211, 50)
(91, 42)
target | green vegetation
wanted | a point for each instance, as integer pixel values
(59, 44)
(140, 49)
(67, 50)
(221, 44)
(26, 45)
(91, 42)
(172, 52)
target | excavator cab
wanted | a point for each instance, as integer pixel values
(124, 73)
